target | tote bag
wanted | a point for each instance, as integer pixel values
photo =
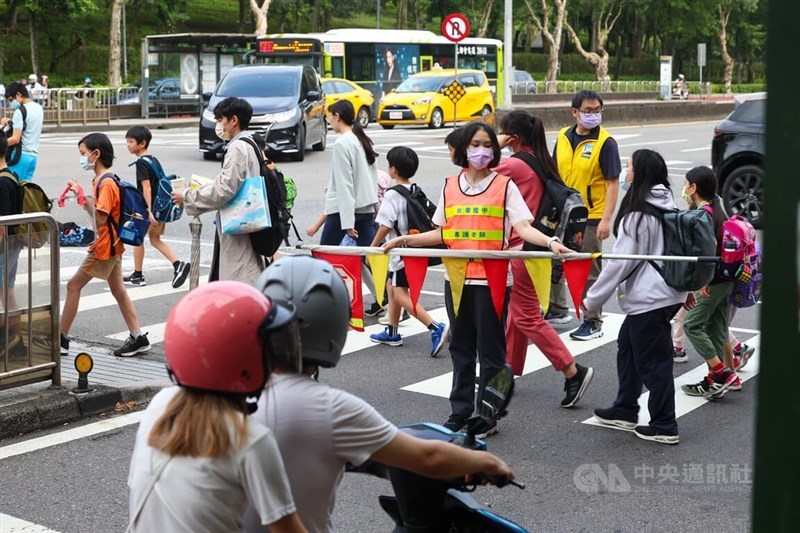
(247, 212)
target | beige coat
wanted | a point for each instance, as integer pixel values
(237, 260)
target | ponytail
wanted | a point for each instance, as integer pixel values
(530, 131)
(366, 143)
(347, 114)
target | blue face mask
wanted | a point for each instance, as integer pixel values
(15, 104)
(85, 165)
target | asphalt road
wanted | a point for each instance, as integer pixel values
(580, 477)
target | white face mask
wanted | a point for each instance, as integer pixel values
(219, 129)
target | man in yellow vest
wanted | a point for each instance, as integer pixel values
(588, 161)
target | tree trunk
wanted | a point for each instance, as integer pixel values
(260, 15)
(727, 60)
(402, 14)
(36, 59)
(483, 21)
(551, 38)
(316, 17)
(242, 11)
(552, 68)
(114, 52)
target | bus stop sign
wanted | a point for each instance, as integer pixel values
(455, 27)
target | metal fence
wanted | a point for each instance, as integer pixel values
(29, 300)
(696, 89)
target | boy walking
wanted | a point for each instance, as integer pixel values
(138, 141)
(393, 220)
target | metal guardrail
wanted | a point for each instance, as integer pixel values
(29, 333)
(570, 87)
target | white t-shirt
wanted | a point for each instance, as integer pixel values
(516, 211)
(318, 429)
(394, 211)
(33, 123)
(202, 494)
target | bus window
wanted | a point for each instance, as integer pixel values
(337, 67)
(360, 62)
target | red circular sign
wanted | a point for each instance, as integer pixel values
(455, 27)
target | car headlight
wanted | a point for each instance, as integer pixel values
(283, 116)
(209, 115)
(422, 101)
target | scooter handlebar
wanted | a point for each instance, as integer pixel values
(497, 481)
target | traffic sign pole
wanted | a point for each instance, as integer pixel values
(455, 104)
(455, 27)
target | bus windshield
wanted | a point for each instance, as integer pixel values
(420, 84)
(248, 84)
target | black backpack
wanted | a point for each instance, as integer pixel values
(419, 211)
(267, 241)
(15, 152)
(561, 213)
(688, 233)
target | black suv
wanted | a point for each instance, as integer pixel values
(288, 108)
(737, 155)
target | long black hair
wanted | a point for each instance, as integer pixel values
(465, 138)
(706, 182)
(347, 114)
(649, 170)
(530, 130)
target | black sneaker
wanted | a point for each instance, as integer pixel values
(576, 385)
(375, 310)
(133, 346)
(181, 273)
(485, 430)
(455, 423)
(64, 345)
(16, 349)
(656, 435)
(136, 279)
(612, 417)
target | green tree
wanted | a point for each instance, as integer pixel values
(543, 16)
(604, 15)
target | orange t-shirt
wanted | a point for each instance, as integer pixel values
(108, 202)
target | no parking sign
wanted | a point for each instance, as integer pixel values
(455, 27)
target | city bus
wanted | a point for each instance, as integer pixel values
(378, 60)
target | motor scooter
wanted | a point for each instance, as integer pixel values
(426, 505)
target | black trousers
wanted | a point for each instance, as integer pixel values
(477, 332)
(644, 357)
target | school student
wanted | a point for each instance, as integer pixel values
(104, 257)
(476, 331)
(9, 205)
(393, 220)
(138, 140)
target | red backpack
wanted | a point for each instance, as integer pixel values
(739, 256)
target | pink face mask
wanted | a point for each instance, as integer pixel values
(480, 156)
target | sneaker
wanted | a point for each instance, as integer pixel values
(576, 385)
(136, 279)
(64, 345)
(736, 385)
(679, 356)
(438, 338)
(485, 430)
(656, 435)
(612, 417)
(586, 332)
(180, 275)
(721, 381)
(742, 356)
(375, 310)
(385, 318)
(698, 389)
(15, 346)
(133, 346)
(385, 338)
(557, 318)
(455, 423)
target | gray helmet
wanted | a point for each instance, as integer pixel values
(320, 297)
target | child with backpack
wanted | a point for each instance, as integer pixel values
(9, 205)
(398, 216)
(104, 257)
(149, 174)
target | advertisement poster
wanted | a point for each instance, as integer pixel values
(394, 63)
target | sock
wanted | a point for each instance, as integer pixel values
(433, 326)
(139, 272)
(176, 264)
(718, 368)
(136, 334)
(393, 330)
(738, 347)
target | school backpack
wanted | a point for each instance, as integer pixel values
(134, 220)
(738, 254)
(688, 233)
(32, 199)
(561, 212)
(15, 152)
(163, 208)
(419, 211)
(267, 241)
(71, 234)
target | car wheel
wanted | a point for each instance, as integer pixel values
(301, 146)
(320, 146)
(743, 193)
(363, 116)
(210, 156)
(387, 126)
(437, 119)
(486, 112)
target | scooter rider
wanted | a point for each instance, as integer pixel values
(319, 428)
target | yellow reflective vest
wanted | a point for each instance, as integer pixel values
(580, 169)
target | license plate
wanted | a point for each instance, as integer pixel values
(395, 115)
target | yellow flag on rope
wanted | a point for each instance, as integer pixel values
(540, 271)
(457, 272)
(379, 264)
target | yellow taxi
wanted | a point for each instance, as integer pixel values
(341, 89)
(423, 99)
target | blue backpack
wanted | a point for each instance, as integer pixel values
(163, 208)
(134, 220)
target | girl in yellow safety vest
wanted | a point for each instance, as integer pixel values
(476, 211)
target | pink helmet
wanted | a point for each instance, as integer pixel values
(215, 335)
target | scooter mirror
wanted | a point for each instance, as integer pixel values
(497, 395)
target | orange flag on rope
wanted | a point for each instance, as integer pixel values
(577, 274)
(457, 273)
(349, 267)
(497, 276)
(379, 264)
(540, 271)
(416, 268)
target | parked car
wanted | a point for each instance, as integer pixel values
(288, 108)
(737, 155)
(342, 89)
(157, 89)
(524, 82)
(421, 99)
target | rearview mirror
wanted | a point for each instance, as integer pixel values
(313, 96)
(206, 97)
(497, 395)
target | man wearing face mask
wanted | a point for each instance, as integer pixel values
(26, 128)
(588, 161)
(234, 257)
